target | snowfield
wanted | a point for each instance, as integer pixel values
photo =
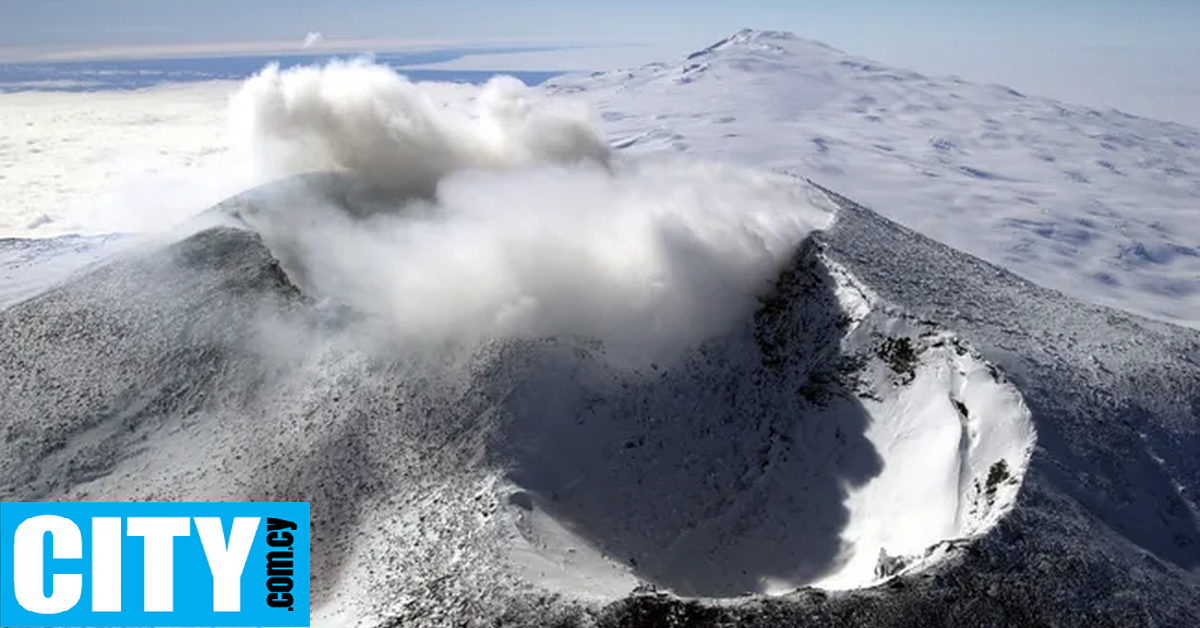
(1098, 204)
(527, 376)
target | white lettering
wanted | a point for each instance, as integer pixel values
(106, 564)
(65, 542)
(227, 563)
(159, 534)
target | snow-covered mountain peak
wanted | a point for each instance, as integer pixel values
(752, 36)
(762, 44)
(1098, 204)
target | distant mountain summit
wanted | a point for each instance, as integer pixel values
(1096, 203)
(749, 35)
(759, 40)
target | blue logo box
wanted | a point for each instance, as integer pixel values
(154, 564)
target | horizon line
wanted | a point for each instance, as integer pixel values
(65, 54)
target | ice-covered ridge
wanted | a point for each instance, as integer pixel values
(955, 437)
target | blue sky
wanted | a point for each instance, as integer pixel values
(123, 22)
(1134, 55)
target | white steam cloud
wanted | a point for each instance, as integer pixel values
(313, 39)
(366, 120)
(507, 218)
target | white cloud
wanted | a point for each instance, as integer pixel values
(313, 39)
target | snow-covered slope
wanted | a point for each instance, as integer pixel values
(820, 432)
(28, 267)
(841, 431)
(1098, 204)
